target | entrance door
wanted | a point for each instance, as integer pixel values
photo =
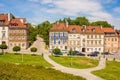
(83, 49)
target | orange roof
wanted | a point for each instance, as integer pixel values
(5, 18)
(89, 29)
(18, 22)
(59, 27)
(108, 30)
(76, 27)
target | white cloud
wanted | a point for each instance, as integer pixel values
(93, 9)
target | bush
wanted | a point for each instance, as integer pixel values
(16, 48)
(33, 49)
(3, 46)
(56, 51)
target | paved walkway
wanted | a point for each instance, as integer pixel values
(86, 73)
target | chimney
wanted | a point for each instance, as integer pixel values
(57, 22)
(113, 27)
(9, 16)
(66, 23)
(101, 27)
(21, 20)
(84, 26)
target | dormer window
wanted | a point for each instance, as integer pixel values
(2, 21)
(83, 30)
(14, 24)
(93, 30)
(73, 30)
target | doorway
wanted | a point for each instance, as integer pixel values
(83, 49)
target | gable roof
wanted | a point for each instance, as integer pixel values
(18, 22)
(59, 27)
(5, 18)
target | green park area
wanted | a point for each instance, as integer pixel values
(75, 62)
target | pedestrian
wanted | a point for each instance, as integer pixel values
(42, 54)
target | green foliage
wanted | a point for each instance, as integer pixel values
(16, 48)
(56, 51)
(10, 71)
(111, 72)
(77, 62)
(32, 33)
(101, 23)
(3, 46)
(43, 31)
(71, 52)
(33, 49)
(28, 59)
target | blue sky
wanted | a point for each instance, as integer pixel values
(37, 11)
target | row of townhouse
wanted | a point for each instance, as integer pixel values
(13, 31)
(83, 38)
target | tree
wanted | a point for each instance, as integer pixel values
(16, 48)
(3, 46)
(71, 52)
(33, 49)
(32, 33)
(101, 23)
(56, 51)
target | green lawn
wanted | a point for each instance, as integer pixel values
(9, 71)
(77, 62)
(111, 72)
(27, 59)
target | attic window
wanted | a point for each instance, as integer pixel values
(2, 21)
(73, 30)
(83, 30)
(93, 30)
(14, 24)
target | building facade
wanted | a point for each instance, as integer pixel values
(13, 31)
(84, 38)
(111, 40)
(18, 33)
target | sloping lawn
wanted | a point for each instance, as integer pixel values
(27, 59)
(75, 62)
(9, 71)
(111, 72)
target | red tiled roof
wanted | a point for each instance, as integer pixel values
(59, 27)
(5, 18)
(76, 27)
(98, 29)
(108, 30)
(20, 22)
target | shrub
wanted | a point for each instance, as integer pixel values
(3, 46)
(16, 48)
(33, 49)
(56, 51)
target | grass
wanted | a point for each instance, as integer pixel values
(27, 59)
(9, 71)
(111, 72)
(77, 62)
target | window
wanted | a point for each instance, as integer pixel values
(15, 44)
(99, 49)
(88, 36)
(91, 36)
(3, 34)
(23, 45)
(3, 28)
(73, 30)
(11, 44)
(87, 49)
(65, 47)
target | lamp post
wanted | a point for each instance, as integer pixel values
(22, 57)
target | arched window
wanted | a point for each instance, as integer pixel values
(73, 30)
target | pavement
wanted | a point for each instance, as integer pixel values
(85, 73)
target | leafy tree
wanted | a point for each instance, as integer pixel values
(16, 48)
(56, 51)
(32, 33)
(33, 49)
(101, 23)
(71, 52)
(43, 31)
(3, 46)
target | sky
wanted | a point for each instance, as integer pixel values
(37, 11)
